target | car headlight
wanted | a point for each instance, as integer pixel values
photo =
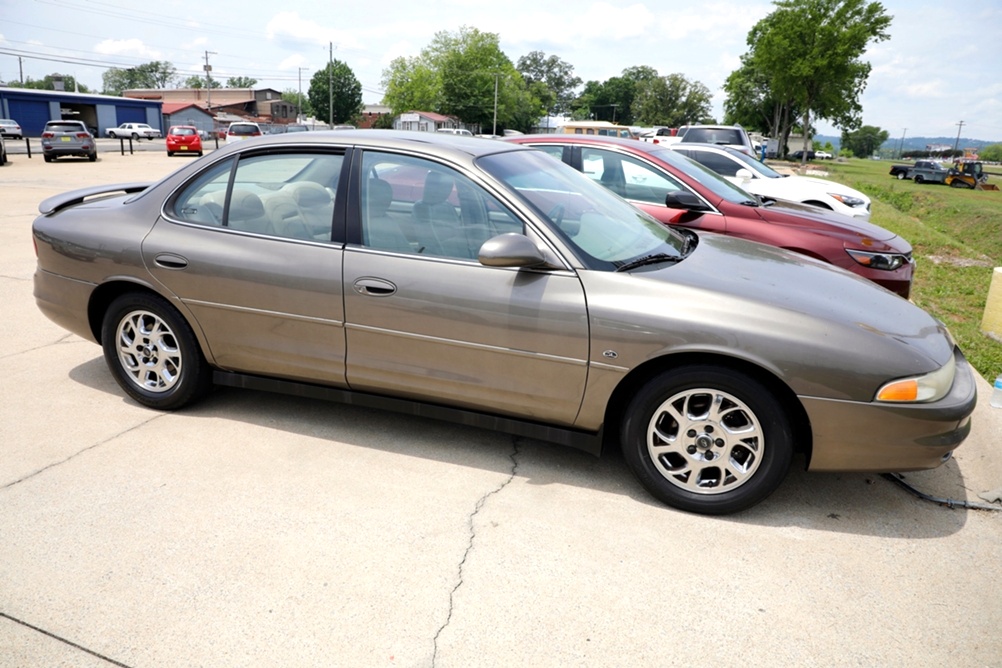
(929, 387)
(878, 260)
(848, 200)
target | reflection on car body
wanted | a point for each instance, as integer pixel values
(488, 284)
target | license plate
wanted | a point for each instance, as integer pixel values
(184, 148)
(66, 139)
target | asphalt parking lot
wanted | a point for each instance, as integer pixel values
(264, 530)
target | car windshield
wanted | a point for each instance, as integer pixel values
(713, 136)
(754, 165)
(63, 127)
(182, 132)
(605, 230)
(709, 179)
(243, 129)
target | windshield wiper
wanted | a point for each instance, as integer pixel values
(649, 259)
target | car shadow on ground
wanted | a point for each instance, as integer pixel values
(852, 503)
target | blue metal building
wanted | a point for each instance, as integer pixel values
(32, 109)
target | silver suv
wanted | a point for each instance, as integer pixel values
(67, 138)
(722, 135)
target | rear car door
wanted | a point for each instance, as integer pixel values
(425, 320)
(252, 248)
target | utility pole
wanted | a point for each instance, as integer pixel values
(208, 81)
(20, 67)
(299, 100)
(330, 88)
(901, 146)
(496, 75)
(960, 126)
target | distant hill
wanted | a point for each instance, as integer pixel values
(915, 143)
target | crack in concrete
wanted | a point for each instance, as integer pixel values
(469, 546)
(63, 640)
(62, 339)
(80, 452)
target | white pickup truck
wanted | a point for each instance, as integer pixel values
(660, 136)
(133, 130)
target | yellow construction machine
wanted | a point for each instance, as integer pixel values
(969, 174)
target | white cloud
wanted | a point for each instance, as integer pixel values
(126, 47)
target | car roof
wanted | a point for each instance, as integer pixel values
(432, 142)
(556, 137)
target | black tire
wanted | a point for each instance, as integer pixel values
(92, 157)
(918, 178)
(902, 176)
(684, 473)
(170, 154)
(48, 158)
(152, 353)
(112, 135)
(135, 137)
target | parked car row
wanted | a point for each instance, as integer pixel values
(487, 282)
(678, 191)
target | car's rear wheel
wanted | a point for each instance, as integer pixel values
(918, 178)
(901, 176)
(47, 158)
(170, 154)
(92, 157)
(707, 439)
(152, 352)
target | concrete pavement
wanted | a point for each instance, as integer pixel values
(263, 530)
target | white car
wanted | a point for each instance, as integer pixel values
(760, 179)
(822, 155)
(133, 130)
(240, 130)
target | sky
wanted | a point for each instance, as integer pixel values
(941, 66)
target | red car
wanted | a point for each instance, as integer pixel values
(183, 139)
(678, 191)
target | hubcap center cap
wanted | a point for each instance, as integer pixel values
(704, 441)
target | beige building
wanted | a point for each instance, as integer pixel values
(264, 104)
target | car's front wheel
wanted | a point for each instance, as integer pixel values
(707, 439)
(152, 352)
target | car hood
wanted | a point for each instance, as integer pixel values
(776, 309)
(797, 187)
(780, 211)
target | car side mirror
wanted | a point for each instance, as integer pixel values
(511, 250)
(680, 199)
(744, 174)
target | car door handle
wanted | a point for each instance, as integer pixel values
(170, 261)
(374, 287)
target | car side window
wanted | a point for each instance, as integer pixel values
(412, 205)
(555, 150)
(626, 176)
(288, 195)
(721, 164)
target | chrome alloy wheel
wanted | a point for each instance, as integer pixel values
(705, 441)
(148, 351)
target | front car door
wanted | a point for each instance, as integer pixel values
(425, 320)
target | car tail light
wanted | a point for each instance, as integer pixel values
(255, 134)
(47, 135)
(83, 135)
(656, 141)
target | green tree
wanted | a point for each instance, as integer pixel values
(865, 141)
(991, 153)
(671, 100)
(752, 103)
(199, 82)
(411, 84)
(479, 82)
(335, 93)
(555, 77)
(463, 74)
(154, 74)
(66, 82)
(810, 52)
(241, 82)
